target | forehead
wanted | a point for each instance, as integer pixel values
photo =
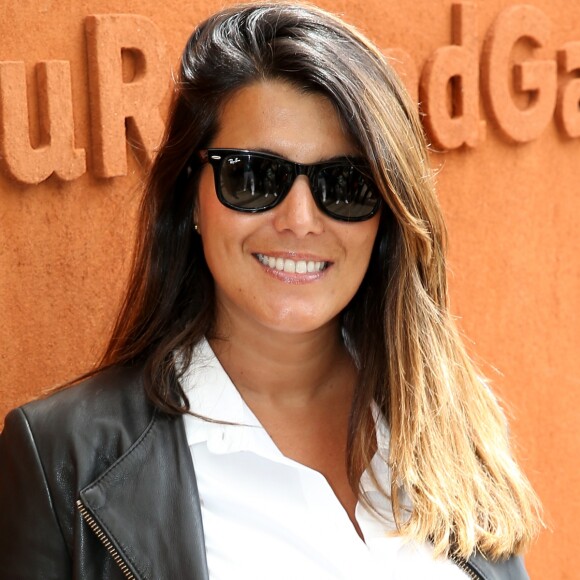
(275, 116)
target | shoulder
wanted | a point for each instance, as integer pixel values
(87, 425)
(116, 394)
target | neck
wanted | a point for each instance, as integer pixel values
(285, 369)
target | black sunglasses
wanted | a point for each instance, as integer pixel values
(252, 181)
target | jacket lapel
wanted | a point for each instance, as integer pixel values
(147, 505)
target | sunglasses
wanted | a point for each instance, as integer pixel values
(251, 181)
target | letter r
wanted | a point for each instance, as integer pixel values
(115, 101)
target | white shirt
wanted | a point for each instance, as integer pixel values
(267, 517)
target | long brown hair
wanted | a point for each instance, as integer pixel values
(449, 448)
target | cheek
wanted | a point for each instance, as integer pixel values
(364, 241)
(206, 200)
(224, 233)
(363, 256)
(211, 227)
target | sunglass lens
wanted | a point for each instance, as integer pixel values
(252, 182)
(346, 193)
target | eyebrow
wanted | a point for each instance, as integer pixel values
(325, 160)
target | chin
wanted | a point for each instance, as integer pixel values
(296, 324)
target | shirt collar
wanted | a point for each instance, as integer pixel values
(219, 415)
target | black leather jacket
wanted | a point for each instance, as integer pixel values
(97, 485)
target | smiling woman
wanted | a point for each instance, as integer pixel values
(252, 296)
(285, 394)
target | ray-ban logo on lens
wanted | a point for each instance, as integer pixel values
(234, 160)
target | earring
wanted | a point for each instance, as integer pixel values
(196, 228)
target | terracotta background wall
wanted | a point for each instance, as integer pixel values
(509, 182)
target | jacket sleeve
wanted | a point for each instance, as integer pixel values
(32, 546)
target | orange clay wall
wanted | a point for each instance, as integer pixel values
(499, 82)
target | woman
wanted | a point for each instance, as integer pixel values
(286, 327)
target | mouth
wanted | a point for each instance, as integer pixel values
(290, 266)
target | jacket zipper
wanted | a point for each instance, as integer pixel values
(465, 567)
(105, 540)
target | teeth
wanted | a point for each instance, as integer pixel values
(291, 266)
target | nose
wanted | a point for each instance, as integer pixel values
(298, 211)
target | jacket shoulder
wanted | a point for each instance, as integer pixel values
(80, 431)
(112, 397)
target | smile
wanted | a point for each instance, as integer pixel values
(292, 266)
